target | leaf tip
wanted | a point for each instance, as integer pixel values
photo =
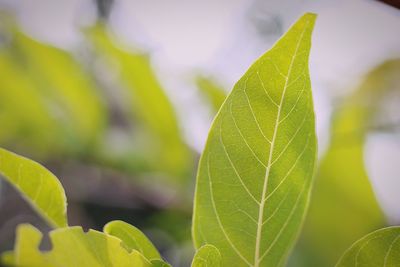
(307, 20)
(310, 16)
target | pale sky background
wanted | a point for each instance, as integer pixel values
(221, 38)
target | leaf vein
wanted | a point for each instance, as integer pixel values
(285, 223)
(234, 167)
(389, 250)
(217, 215)
(244, 139)
(294, 106)
(289, 172)
(261, 207)
(254, 116)
(266, 91)
(291, 139)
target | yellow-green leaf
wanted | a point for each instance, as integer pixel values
(132, 238)
(212, 91)
(71, 247)
(159, 263)
(207, 256)
(256, 170)
(45, 94)
(25, 120)
(148, 102)
(378, 249)
(38, 186)
(26, 253)
(8, 259)
(66, 87)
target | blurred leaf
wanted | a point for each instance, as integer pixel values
(256, 170)
(342, 188)
(380, 248)
(71, 247)
(174, 222)
(133, 238)
(46, 95)
(8, 259)
(38, 186)
(207, 256)
(149, 104)
(212, 91)
(69, 91)
(26, 121)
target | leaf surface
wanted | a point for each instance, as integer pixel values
(61, 80)
(159, 263)
(133, 238)
(207, 256)
(256, 170)
(71, 247)
(38, 186)
(378, 249)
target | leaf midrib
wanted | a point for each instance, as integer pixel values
(265, 185)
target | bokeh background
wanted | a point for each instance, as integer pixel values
(116, 97)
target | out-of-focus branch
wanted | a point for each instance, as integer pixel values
(393, 3)
(104, 8)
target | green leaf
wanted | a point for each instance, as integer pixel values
(379, 248)
(148, 103)
(7, 258)
(256, 170)
(67, 89)
(159, 263)
(25, 120)
(207, 256)
(132, 238)
(46, 94)
(26, 253)
(38, 186)
(71, 247)
(212, 91)
(342, 188)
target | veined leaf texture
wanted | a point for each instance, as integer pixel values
(256, 170)
(379, 248)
